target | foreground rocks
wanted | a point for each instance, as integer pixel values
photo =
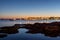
(10, 29)
(49, 29)
(44, 26)
(4, 31)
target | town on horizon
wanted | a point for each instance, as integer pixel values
(32, 18)
(25, 16)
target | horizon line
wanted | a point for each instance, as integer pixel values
(27, 16)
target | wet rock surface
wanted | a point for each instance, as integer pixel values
(48, 29)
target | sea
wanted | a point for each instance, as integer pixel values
(21, 34)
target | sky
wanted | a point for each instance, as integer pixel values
(26, 8)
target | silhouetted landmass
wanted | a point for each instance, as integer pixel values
(31, 18)
(9, 30)
(49, 29)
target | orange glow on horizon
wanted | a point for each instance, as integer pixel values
(24, 16)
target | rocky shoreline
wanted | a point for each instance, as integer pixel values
(49, 29)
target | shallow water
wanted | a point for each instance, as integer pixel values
(21, 32)
(22, 35)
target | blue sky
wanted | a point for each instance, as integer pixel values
(29, 8)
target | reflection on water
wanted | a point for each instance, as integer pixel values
(46, 33)
(11, 23)
(16, 32)
(2, 35)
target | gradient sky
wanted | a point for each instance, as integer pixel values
(20, 8)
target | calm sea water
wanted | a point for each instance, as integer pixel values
(11, 23)
(22, 35)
